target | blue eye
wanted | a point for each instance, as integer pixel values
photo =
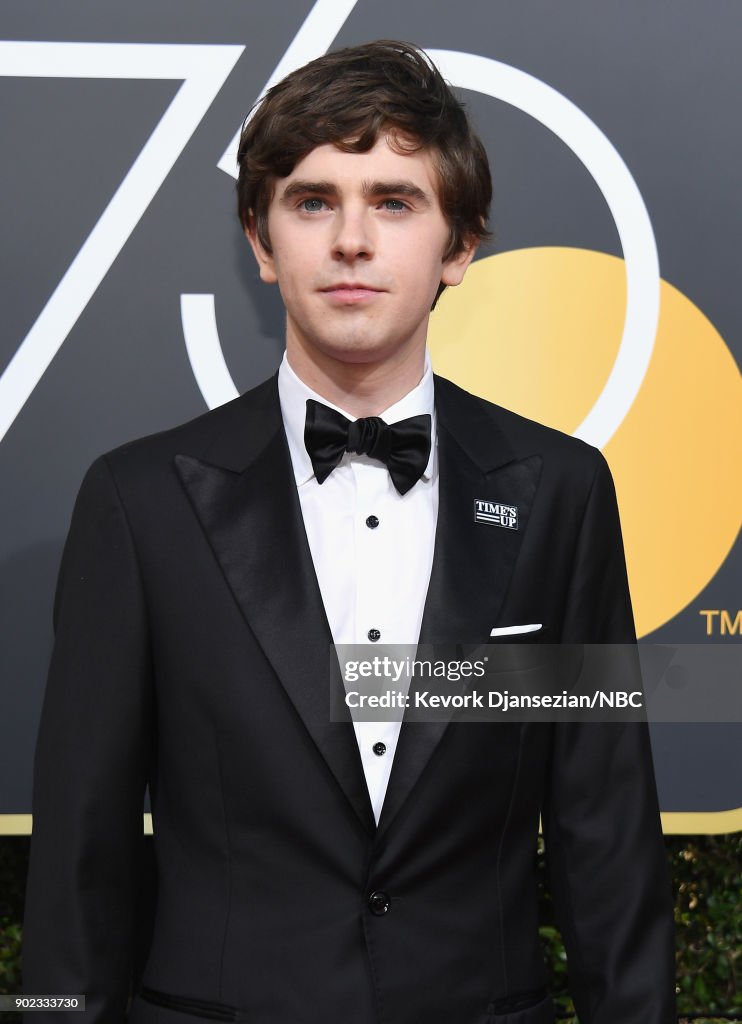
(394, 205)
(311, 205)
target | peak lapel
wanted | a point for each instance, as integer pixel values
(473, 561)
(250, 512)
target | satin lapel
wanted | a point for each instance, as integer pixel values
(253, 521)
(472, 563)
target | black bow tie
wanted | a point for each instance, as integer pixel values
(404, 446)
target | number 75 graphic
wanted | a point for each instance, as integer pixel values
(203, 71)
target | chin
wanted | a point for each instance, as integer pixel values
(358, 352)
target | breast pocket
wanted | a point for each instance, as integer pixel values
(518, 633)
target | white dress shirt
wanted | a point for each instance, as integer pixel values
(370, 577)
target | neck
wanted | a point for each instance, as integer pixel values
(362, 389)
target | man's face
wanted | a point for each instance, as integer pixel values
(358, 242)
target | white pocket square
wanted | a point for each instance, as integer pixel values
(532, 627)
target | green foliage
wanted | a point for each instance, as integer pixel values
(707, 879)
(707, 876)
(10, 956)
(706, 873)
(13, 864)
(13, 861)
(551, 940)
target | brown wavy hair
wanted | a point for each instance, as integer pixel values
(349, 98)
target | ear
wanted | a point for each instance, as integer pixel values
(454, 268)
(264, 258)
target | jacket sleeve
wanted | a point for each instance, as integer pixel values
(601, 821)
(91, 767)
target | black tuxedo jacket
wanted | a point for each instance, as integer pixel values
(192, 654)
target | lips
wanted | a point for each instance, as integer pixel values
(347, 292)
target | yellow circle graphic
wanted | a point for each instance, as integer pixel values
(538, 330)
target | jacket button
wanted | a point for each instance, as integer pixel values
(379, 903)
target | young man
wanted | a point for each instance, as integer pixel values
(309, 870)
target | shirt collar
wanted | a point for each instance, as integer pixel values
(293, 394)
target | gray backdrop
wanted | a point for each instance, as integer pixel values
(660, 77)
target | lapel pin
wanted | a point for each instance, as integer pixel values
(494, 513)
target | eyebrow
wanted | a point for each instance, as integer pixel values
(370, 189)
(396, 188)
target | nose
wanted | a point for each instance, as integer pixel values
(353, 236)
